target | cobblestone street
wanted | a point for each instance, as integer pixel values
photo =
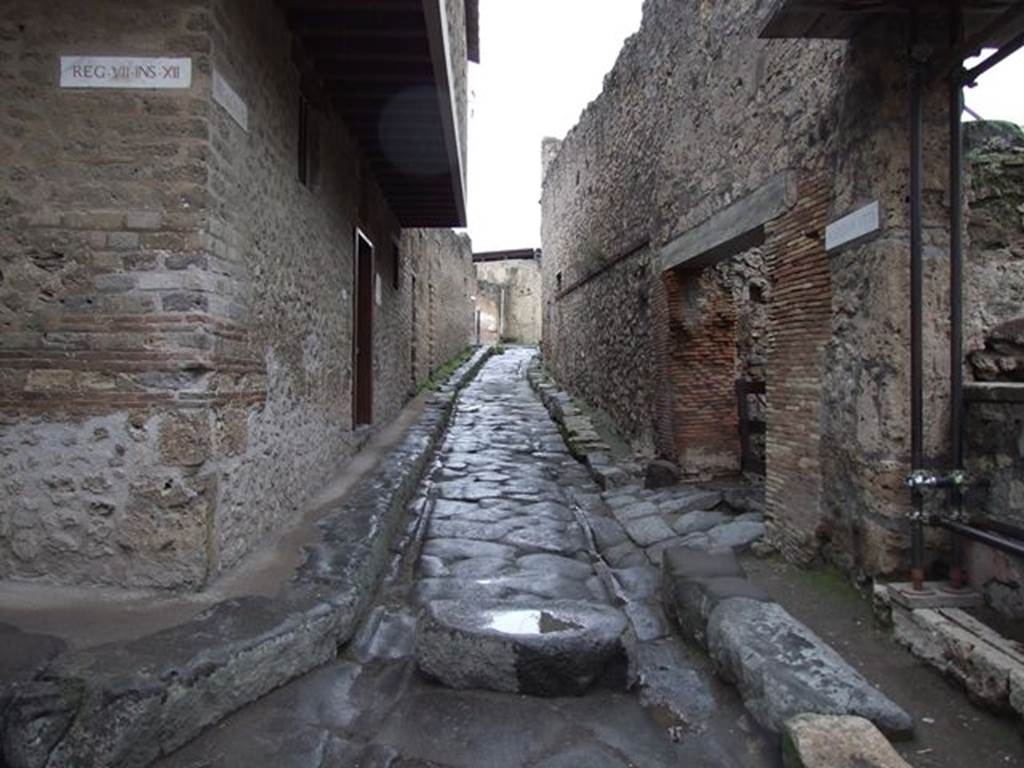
(497, 527)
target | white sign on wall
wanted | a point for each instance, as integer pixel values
(377, 291)
(124, 72)
(856, 225)
(228, 98)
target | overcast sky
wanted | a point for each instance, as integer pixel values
(542, 66)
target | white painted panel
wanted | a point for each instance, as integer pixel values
(228, 98)
(856, 225)
(124, 72)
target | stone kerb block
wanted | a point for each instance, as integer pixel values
(694, 582)
(830, 741)
(783, 669)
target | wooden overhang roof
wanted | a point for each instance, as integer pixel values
(841, 19)
(384, 66)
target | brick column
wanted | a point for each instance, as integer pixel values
(800, 327)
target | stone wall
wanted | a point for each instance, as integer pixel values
(176, 307)
(697, 116)
(441, 274)
(510, 300)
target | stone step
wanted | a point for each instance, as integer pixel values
(542, 648)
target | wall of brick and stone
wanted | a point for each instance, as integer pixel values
(176, 308)
(441, 261)
(510, 299)
(994, 342)
(696, 115)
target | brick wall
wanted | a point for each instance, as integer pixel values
(696, 115)
(801, 312)
(176, 307)
(702, 324)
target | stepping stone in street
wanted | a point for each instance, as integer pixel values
(532, 584)
(607, 531)
(543, 648)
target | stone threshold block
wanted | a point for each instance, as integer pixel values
(988, 665)
(934, 594)
(541, 648)
(831, 741)
(126, 704)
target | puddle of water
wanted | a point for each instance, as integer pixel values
(526, 622)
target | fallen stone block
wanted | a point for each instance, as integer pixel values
(836, 741)
(782, 669)
(543, 648)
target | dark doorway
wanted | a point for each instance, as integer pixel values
(362, 338)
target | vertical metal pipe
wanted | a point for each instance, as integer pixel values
(956, 277)
(916, 313)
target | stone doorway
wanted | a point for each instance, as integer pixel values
(362, 389)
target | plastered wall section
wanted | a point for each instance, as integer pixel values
(520, 282)
(697, 114)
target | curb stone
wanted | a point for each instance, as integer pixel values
(128, 703)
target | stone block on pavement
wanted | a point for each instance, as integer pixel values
(549, 648)
(836, 741)
(783, 669)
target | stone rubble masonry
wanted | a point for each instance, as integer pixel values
(509, 301)
(128, 703)
(176, 308)
(663, 150)
(441, 261)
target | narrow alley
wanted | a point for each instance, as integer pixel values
(498, 528)
(488, 384)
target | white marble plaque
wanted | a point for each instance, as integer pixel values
(377, 290)
(863, 221)
(124, 72)
(228, 98)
